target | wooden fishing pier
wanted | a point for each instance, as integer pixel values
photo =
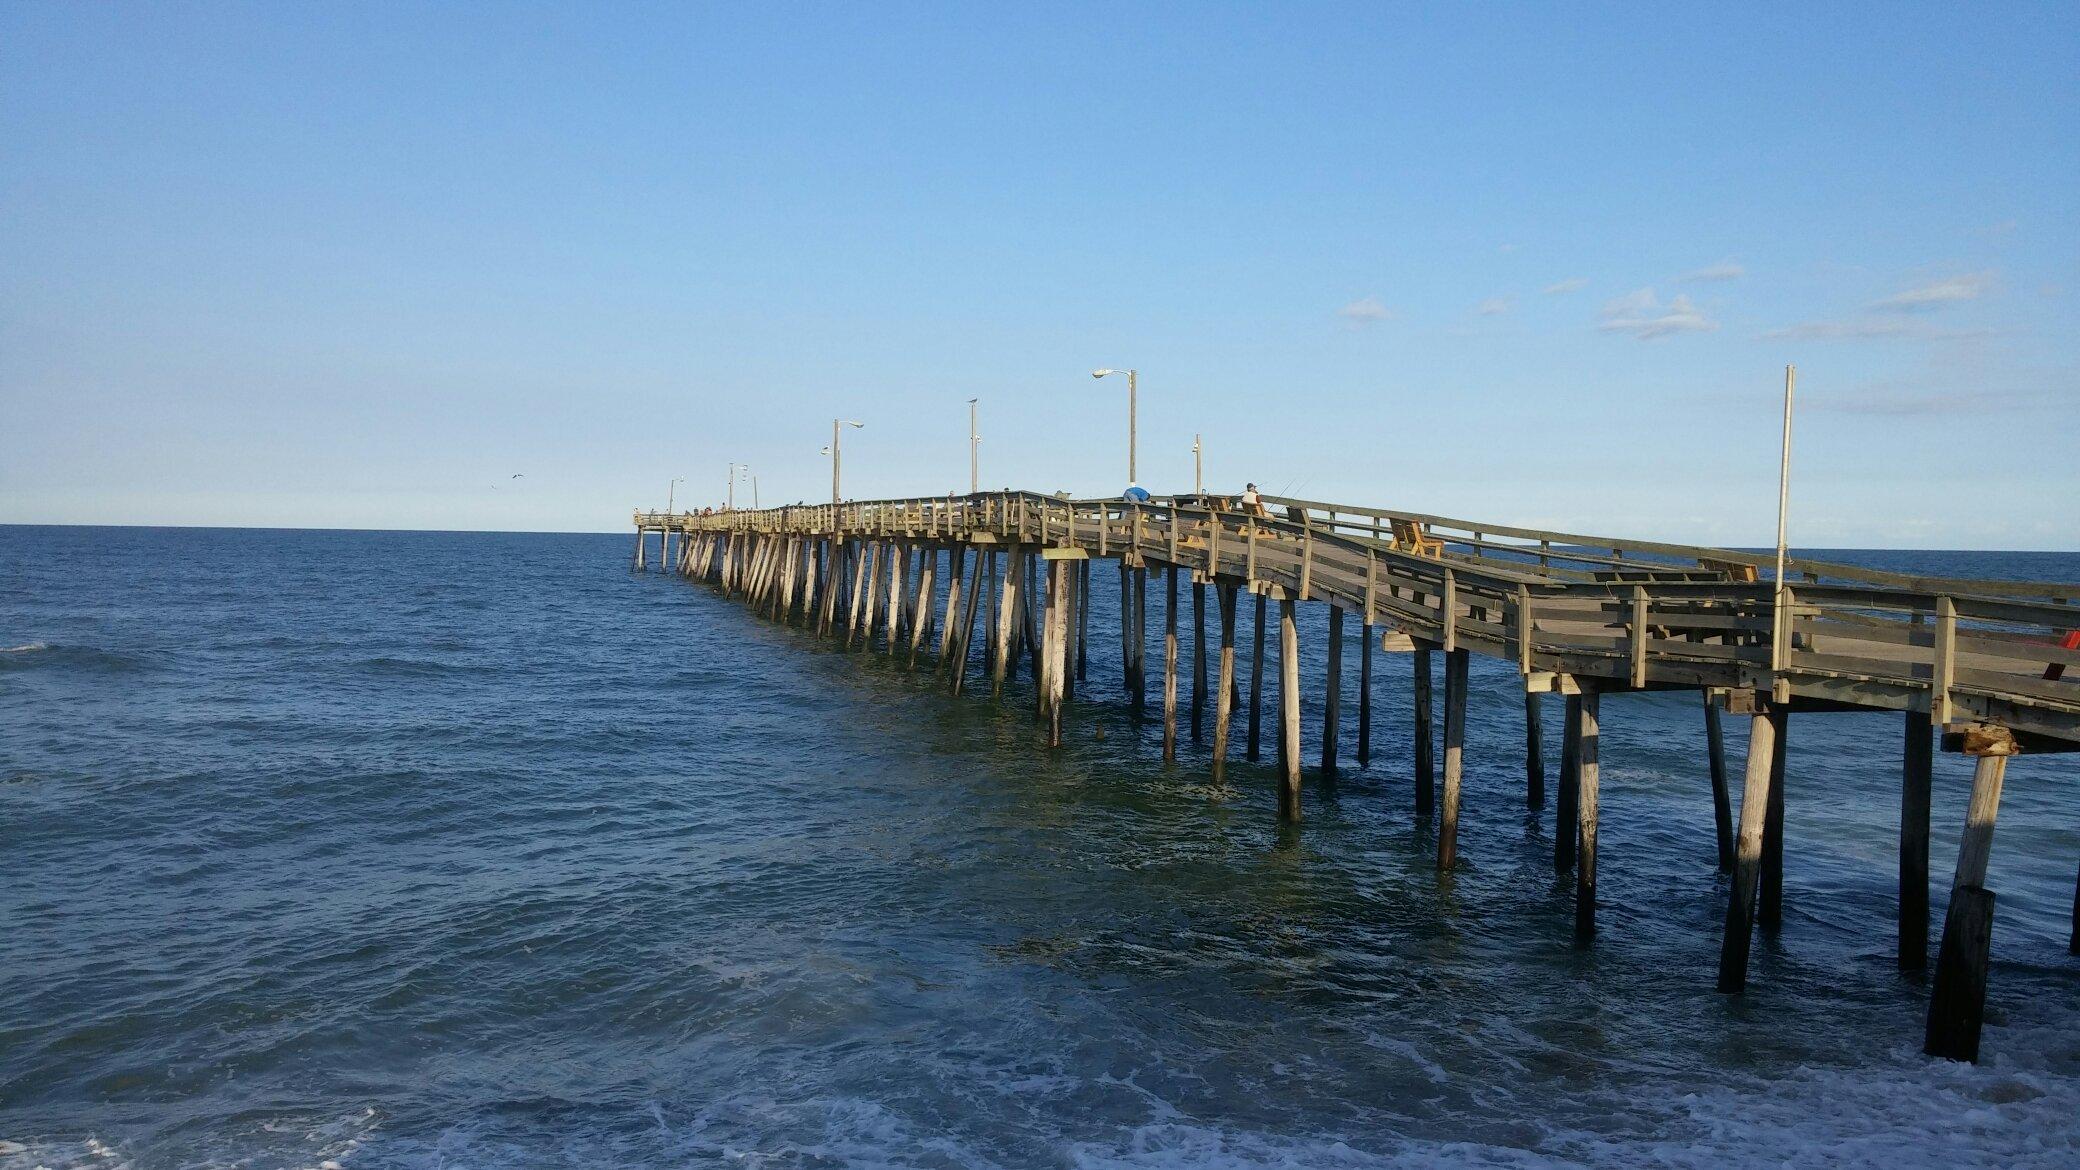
(1975, 666)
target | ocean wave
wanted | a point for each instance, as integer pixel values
(48, 656)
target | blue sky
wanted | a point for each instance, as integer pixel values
(358, 265)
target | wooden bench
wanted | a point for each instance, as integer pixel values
(1410, 537)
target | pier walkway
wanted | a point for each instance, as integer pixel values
(1977, 666)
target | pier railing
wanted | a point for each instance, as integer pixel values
(1634, 614)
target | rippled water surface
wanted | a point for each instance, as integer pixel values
(387, 849)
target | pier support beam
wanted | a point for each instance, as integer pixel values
(1455, 662)
(949, 621)
(1332, 693)
(1722, 803)
(1769, 909)
(1002, 651)
(1763, 732)
(1252, 744)
(1916, 766)
(971, 604)
(1198, 658)
(1054, 660)
(1224, 699)
(1289, 710)
(1083, 615)
(1534, 752)
(1365, 696)
(1426, 767)
(1957, 1006)
(1588, 712)
(921, 609)
(1170, 668)
(1567, 816)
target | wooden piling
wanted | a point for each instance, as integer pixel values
(2073, 939)
(1256, 684)
(1289, 709)
(1769, 910)
(1722, 802)
(1957, 1004)
(1534, 752)
(859, 573)
(1917, 766)
(1028, 596)
(1586, 740)
(1567, 814)
(957, 657)
(1170, 667)
(1763, 732)
(1332, 693)
(1365, 696)
(1198, 657)
(1426, 767)
(1001, 649)
(1083, 615)
(1072, 631)
(1054, 669)
(921, 607)
(1224, 699)
(1140, 638)
(1454, 755)
(898, 586)
(949, 623)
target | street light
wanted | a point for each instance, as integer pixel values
(835, 453)
(974, 460)
(734, 468)
(670, 493)
(1133, 411)
(1198, 468)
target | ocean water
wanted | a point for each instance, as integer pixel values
(354, 849)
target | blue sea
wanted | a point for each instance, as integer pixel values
(379, 849)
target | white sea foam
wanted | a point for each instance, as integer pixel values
(25, 648)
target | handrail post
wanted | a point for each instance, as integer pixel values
(1945, 666)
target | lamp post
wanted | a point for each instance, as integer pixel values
(836, 456)
(670, 493)
(974, 458)
(1198, 468)
(1779, 641)
(734, 468)
(1133, 410)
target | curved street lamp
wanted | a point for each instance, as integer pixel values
(1133, 410)
(836, 454)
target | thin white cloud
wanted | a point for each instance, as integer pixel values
(1948, 291)
(1493, 307)
(1891, 402)
(1642, 314)
(1871, 329)
(1724, 270)
(1365, 311)
(1571, 284)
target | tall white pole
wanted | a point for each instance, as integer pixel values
(1777, 646)
(834, 462)
(974, 449)
(1198, 468)
(1133, 416)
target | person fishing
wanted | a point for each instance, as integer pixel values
(1253, 501)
